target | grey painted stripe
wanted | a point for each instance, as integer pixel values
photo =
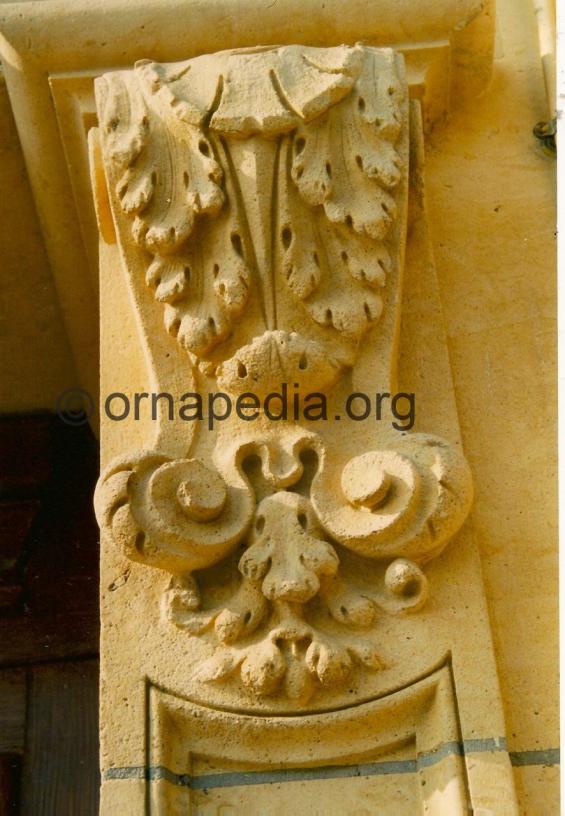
(124, 773)
(230, 780)
(488, 744)
(403, 766)
(456, 748)
(551, 756)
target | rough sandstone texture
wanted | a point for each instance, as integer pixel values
(292, 614)
(267, 204)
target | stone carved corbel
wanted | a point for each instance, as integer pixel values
(260, 195)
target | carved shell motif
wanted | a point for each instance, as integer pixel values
(334, 116)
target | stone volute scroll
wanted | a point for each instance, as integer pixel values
(258, 198)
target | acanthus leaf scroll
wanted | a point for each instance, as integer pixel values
(170, 135)
(263, 188)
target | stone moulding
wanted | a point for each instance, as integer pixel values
(418, 724)
(260, 196)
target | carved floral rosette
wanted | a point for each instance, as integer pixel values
(263, 193)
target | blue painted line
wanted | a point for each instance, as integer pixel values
(549, 756)
(124, 773)
(229, 780)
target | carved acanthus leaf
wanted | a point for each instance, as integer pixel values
(205, 285)
(167, 133)
(274, 177)
(167, 174)
(278, 357)
(335, 226)
(281, 658)
(405, 590)
(336, 276)
(287, 618)
(287, 551)
(346, 161)
(236, 619)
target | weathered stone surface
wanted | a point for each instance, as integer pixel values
(173, 645)
(260, 201)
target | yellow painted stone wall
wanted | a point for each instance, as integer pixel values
(35, 357)
(492, 198)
